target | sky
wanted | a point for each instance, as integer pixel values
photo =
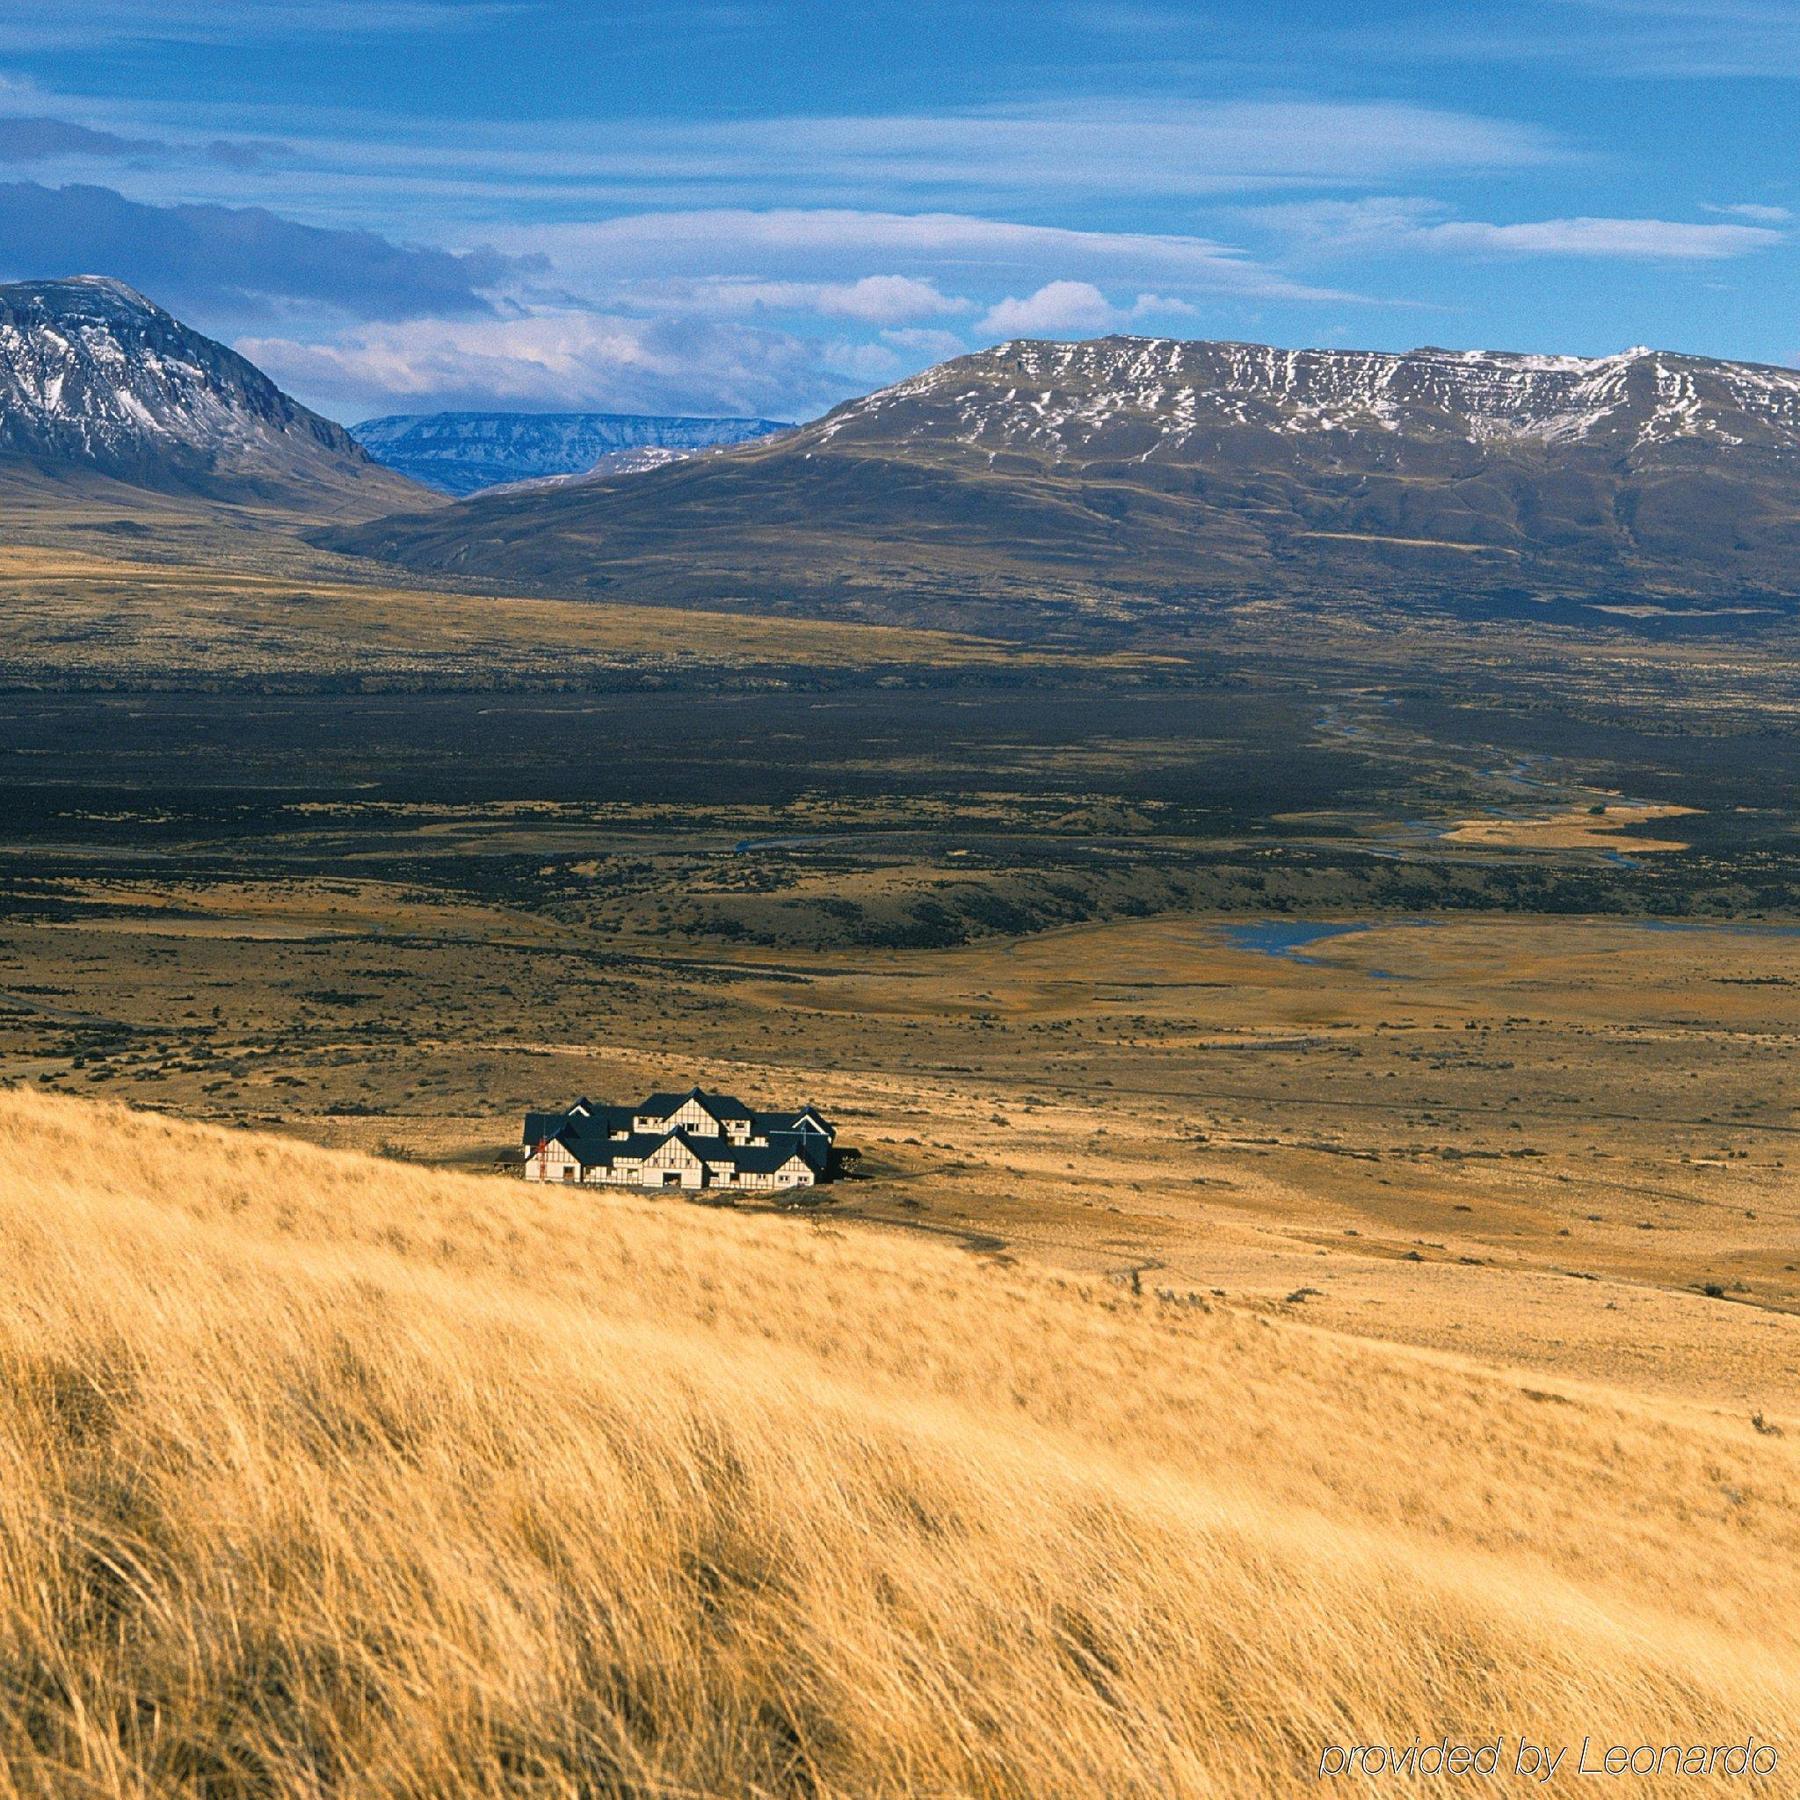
(767, 206)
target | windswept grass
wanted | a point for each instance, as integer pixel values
(321, 1475)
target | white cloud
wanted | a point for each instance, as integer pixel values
(888, 300)
(837, 245)
(1756, 214)
(1393, 223)
(1057, 308)
(924, 342)
(991, 160)
(1151, 305)
(1653, 239)
(561, 361)
(869, 364)
(870, 299)
(1075, 309)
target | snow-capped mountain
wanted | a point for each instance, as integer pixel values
(464, 452)
(1131, 473)
(97, 380)
(1160, 397)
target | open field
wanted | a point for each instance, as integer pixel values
(1556, 1144)
(320, 1474)
(79, 619)
(1325, 1260)
(1538, 1105)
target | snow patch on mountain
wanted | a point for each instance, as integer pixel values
(95, 376)
(1078, 399)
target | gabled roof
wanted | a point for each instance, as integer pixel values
(587, 1130)
(695, 1147)
(808, 1119)
(597, 1151)
(760, 1159)
(541, 1125)
(596, 1121)
(721, 1106)
(812, 1148)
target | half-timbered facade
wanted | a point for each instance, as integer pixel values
(680, 1141)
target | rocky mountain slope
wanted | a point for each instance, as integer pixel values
(1163, 399)
(98, 383)
(1130, 471)
(463, 452)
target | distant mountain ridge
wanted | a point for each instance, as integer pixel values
(98, 381)
(464, 452)
(1170, 398)
(1121, 475)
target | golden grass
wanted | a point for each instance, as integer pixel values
(71, 612)
(1575, 828)
(321, 1475)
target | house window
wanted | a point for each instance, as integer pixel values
(568, 1174)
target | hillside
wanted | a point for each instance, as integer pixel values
(463, 452)
(103, 393)
(1136, 477)
(319, 1473)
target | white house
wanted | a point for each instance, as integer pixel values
(686, 1141)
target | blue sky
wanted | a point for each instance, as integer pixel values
(767, 205)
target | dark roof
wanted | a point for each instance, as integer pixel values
(721, 1106)
(758, 1159)
(814, 1121)
(541, 1125)
(813, 1149)
(598, 1151)
(599, 1120)
(589, 1134)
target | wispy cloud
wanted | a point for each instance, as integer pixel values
(1754, 211)
(238, 260)
(791, 243)
(83, 24)
(870, 299)
(1653, 239)
(1145, 147)
(987, 159)
(29, 139)
(1663, 40)
(1352, 227)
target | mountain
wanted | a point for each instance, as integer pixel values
(1131, 474)
(97, 384)
(463, 452)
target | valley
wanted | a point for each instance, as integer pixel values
(1196, 979)
(1288, 882)
(1131, 488)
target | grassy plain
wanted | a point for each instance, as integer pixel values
(323, 1475)
(1560, 1145)
(1325, 1260)
(77, 618)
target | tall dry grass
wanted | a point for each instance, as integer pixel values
(326, 1476)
